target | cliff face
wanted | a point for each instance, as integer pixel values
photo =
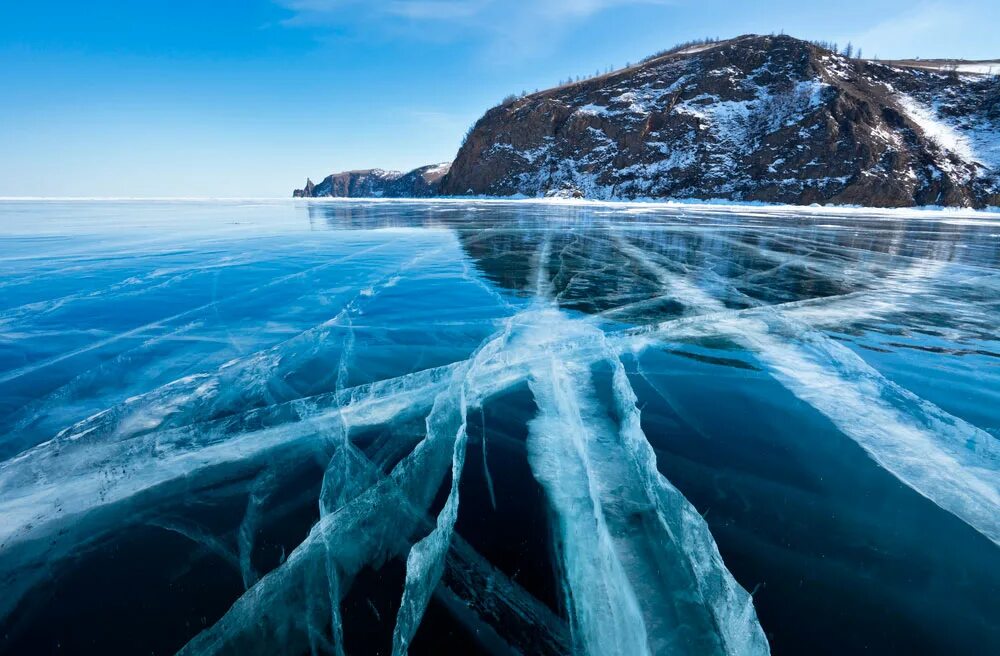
(305, 192)
(754, 118)
(377, 183)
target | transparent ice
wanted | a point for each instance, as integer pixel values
(688, 399)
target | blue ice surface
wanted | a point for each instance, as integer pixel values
(252, 421)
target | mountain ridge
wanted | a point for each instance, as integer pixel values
(754, 118)
(421, 182)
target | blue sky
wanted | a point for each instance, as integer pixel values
(247, 98)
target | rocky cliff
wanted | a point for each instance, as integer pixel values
(755, 118)
(377, 183)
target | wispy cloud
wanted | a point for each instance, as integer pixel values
(436, 9)
(916, 31)
(512, 28)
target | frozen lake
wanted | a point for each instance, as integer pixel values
(358, 427)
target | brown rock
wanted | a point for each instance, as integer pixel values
(754, 118)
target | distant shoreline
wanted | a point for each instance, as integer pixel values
(925, 211)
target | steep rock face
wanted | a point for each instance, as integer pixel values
(753, 118)
(305, 192)
(376, 183)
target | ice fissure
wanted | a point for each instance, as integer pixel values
(639, 571)
(628, 542)
(942, 457)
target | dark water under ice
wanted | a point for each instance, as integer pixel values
(262, 427)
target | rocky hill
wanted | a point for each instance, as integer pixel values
(765, 118)
(377, 183)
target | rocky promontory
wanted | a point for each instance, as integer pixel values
(421, 182)
(755, 118)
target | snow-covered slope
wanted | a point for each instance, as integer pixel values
(959, 66)
(753, 118)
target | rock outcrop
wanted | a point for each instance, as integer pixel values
(305, 192)
(377, 183)
(755, 118)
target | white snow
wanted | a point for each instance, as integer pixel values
(594, 110)
(693, 49)
(940, 132)
(736, 209)
(974, 68)
(438, 168)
